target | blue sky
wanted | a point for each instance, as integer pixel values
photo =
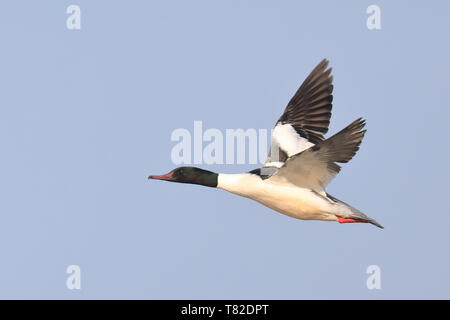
(87, 115)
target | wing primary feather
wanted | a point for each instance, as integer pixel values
(306, 118)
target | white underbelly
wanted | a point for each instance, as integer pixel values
(299, 203)
(293, 201)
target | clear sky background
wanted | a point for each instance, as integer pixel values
(86, 116)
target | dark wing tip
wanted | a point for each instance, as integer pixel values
(309, 110)
(342, 146)
(324, 63)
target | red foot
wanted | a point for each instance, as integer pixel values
(348, 220)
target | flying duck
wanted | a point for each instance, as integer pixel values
(301, 162)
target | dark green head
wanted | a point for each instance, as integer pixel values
(190, 175)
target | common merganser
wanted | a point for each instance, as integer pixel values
(301, 162)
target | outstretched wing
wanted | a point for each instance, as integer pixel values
(315, 167)
(305, 119)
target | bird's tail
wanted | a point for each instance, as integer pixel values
(353, 215)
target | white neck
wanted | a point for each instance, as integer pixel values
(243, 184)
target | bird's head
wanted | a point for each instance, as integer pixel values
(189, 175)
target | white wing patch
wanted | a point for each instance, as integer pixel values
(277, 164)
(285, 139)
(289, 140)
